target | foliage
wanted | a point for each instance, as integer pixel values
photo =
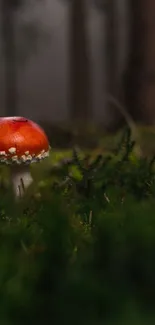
(80, 248)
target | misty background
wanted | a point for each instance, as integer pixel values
(62, 59)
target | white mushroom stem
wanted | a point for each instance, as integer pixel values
(21, 179)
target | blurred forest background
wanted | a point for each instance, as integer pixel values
(78, 60)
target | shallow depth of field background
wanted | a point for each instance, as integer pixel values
(80, 247)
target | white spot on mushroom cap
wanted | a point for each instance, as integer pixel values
(29, 157)
(14, 158)
(12, 150)
(46, 154)
(3, 153)
(24, 159)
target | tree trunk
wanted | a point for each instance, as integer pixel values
(147, 95)
(80, 96)
(140, 77)
(132, 80)
(9, 52)
(111, 48)
(111, 53)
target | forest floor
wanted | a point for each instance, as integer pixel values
(80, 246)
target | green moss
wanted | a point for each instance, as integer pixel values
(80, 247)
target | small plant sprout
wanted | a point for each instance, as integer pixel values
(22, 142)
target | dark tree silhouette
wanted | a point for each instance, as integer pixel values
(140, 75)
(110, 52)
(133, 75)
(13, 53)
(79, 61)
(8, 8)
(80, 104)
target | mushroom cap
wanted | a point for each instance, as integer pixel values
(22, 141)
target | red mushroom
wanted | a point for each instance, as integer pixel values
(22, 142)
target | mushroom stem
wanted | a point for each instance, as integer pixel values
(21, 179)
